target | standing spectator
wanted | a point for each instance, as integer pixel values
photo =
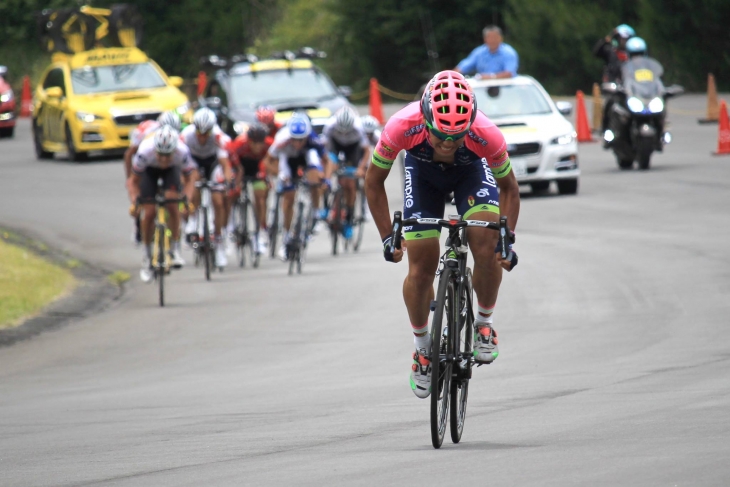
(494, 59)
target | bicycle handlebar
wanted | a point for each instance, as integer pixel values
(506, 237)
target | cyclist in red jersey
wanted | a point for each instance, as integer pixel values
(266, 114)
(248, 152)
(450, 146)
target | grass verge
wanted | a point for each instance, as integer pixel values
(28, 284)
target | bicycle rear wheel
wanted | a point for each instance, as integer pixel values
(440, 349)
(160, 263)
(274, 227)
(336, 219)
(240, 230)
(463, 348)
(360, 221)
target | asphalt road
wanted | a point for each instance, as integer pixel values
(614, 365)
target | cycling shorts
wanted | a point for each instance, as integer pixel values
(290, 172)
(352, 152)
(253, 169)
(148, 180)
(209, 169)
(428, 184)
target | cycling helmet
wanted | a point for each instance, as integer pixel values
(448, 103)
(265, 114)
(636, 45)
(257, 132)
(299, 126)
(345, 119)
(369, 123)
(204, 120)
(165, 140)
(625, 31)
(169, 118)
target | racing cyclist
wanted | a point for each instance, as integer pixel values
(138, 134)
(164, 157)
(344, 134)
(266, 114)
(295, 147)
(450, 146)
(207, 144)
(371, 126)
(248, 152)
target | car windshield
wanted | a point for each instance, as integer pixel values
(123, 77)
(510, 100)
(280, 86)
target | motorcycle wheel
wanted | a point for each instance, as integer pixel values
(625, 164)
(643, 154)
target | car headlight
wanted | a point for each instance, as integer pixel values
(656, 105)
(563, 139)
(240, 127)
(182, 109)
(6, 97)
(87, 117)
(635, 105)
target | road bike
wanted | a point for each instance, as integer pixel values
(244, 236)
(302, 226)
(274, 220)
(201, 242)
(161, 262)
(452, 327)
(337, 213)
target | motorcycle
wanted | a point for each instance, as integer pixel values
(636, 113)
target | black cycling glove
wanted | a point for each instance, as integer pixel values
(512, 256)
(388, 249)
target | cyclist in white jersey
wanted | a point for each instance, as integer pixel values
(208, 148)
(164, 157)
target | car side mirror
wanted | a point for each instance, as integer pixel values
(346, 91)
(176, 81)
(54, 92)
(564, 107)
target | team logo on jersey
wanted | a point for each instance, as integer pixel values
(414, 130)
(477, 139)
(470, 200)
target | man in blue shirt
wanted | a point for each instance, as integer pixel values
(492, 60)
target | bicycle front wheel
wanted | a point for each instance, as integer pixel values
(207, 247)
(274, 227)
(463, 348)
(441, 367)
(160, 263)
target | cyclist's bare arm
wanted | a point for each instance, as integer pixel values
(227, 172)
(128, 155)
(365, 159)
(509, 198)
(133, 187)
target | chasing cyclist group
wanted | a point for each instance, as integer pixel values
(450, 147)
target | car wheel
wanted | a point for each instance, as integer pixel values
(540, 186)
(567, 186)
(73, 154)
(38, 144)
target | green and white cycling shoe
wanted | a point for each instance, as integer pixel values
(421, 374)
(485, 344)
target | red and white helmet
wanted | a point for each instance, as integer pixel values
(448, 103)
(265, 114)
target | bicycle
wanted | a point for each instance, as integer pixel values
(303, 222)
(452, 358)
(244, 237)
(204, 249)
(274, 220)
(161, 260)
(337, 211)
(361, 211)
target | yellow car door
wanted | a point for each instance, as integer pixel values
(54, 103)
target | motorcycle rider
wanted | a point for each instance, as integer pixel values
(612, 50)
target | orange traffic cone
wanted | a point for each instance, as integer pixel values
(723, 136)
(581, 119)
(376, 105)
(26, 99)
(202, 82)
(713, 108)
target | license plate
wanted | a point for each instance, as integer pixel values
(519, 166)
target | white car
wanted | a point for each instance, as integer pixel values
(541, 142)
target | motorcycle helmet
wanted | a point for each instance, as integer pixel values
(636, 45)
(625, 31)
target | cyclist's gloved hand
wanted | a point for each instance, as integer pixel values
(388, 249)
(327, 182)
(511, 261)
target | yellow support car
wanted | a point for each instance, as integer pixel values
(91, 100)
